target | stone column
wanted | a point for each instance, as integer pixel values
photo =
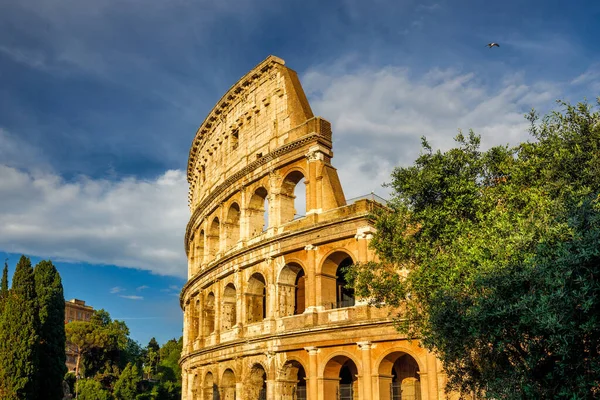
(313, 371)
(311, 282)
(244, 215)
(200, 318)
(365, 348)
(218, 311)
(363, 236)
(315, 159)
(432, 384)
(239, 299)
(186, 326)
(204, 238)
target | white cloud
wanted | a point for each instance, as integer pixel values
(117, 289)
(140, 288)
(131, 297)
(589, 78)
(379, 114)
(130, 222)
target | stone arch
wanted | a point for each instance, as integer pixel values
(256, 298)
(340, 378)
(233, 225)
(292, 381)
(227, 386)
(213, 239)
(291, 290)
(292, 196)
(335, 291)
(258, 211)
(256, 384)
(399, 376)
(209, 314)
(209, 389)
(229, 316)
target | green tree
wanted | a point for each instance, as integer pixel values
(19, 338)
(151, 356)
(4, 284)
(91, 389)
(168, 366)
(492, 258)
(51, 312)
(82, 338)
(114, 352)
(126, 387)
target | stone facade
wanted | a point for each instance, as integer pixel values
(267, 313)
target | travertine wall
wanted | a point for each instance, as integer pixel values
(267, 313)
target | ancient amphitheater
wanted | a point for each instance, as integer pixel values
(267, 313)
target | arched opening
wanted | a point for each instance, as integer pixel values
(233, 225)
(256, 298)
(340, 379)
(229, 318)
(256, 389)
(336, 292)
(228, 385)
(292, 198)
(399, 377)
(292, 293)
(194, 384)
(258, 211)
(344, 293)
(198, 249)
(209, 388)
(293, 381)
(213, 239)
(209, 314)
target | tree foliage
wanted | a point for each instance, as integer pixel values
(51, 314)
(493, 259)
(91, 389)
(126, 387)
(4, 284)
(99, 343)
(19, 338)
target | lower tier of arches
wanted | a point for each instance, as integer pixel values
(363, 370)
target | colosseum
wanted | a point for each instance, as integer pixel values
(267, 313)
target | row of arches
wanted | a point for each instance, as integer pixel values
(290, 297)
(398, 378)
(239, 222)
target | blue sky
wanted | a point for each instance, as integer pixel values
(99, 103)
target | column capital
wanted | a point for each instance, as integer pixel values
(365, 232)
(366, 345)
(316, 153)
(312, 350)
(309, 247)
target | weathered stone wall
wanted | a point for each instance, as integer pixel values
(267, 313)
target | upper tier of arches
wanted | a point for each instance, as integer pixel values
(256, 116)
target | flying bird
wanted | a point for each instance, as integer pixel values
(490, 45)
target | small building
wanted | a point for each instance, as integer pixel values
(75, 310)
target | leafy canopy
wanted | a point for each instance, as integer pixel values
(493, 257)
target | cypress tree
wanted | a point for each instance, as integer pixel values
(4, 285)
(51, 303)
(19, 337)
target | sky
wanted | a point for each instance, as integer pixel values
(100, 101)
